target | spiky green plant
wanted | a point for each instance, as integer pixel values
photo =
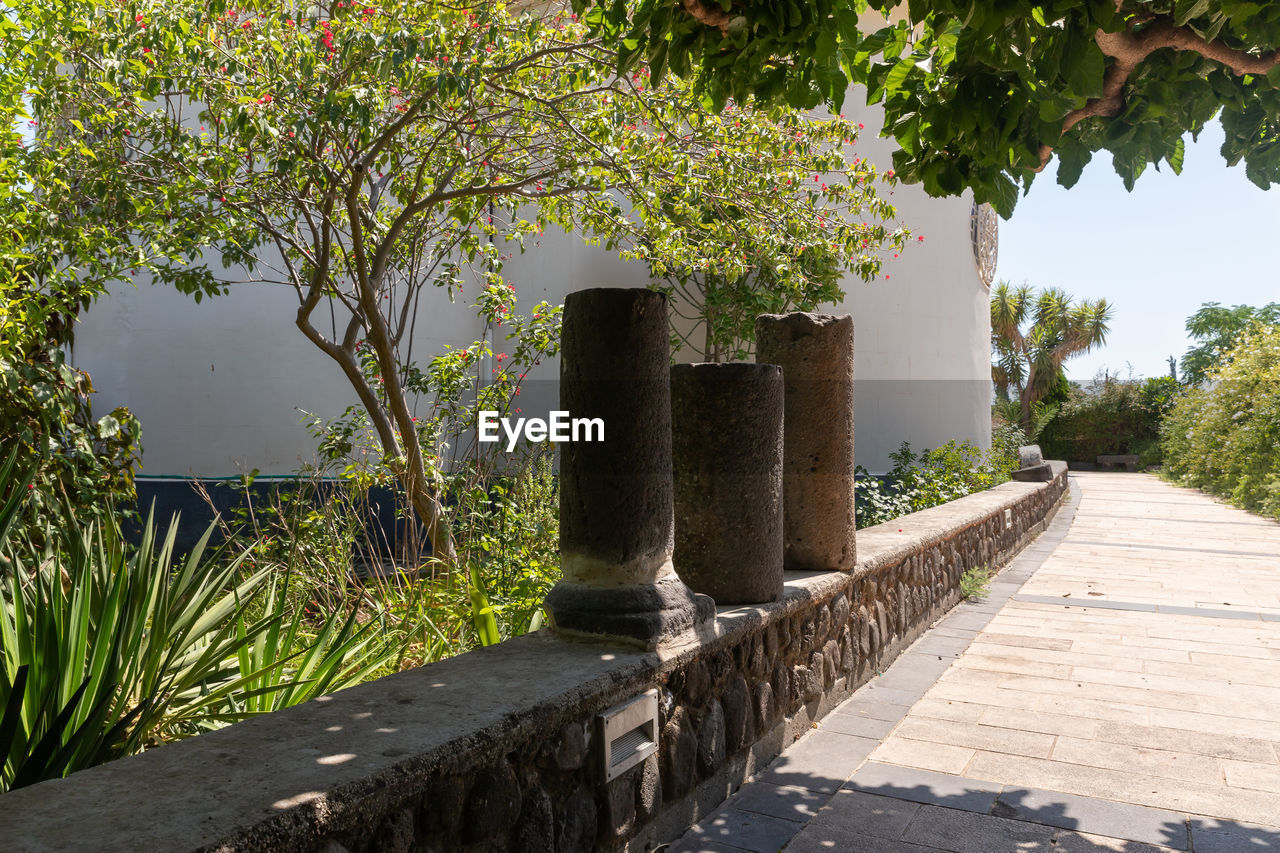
(107, 649)
(295, 660)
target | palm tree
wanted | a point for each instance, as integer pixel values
(1030, 363)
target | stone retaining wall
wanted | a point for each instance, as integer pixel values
(494, 751)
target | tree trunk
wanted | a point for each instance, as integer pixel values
(410, 469)
(404, 448)
(426, 504)
(1024, 397)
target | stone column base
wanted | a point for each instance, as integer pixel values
(637, 614)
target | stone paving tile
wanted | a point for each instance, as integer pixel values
(1100, 603)
(976, 736)
(1132, 651)
(1122, 655)
(1158, 763)
(1094, 816)
(870, 814)
(1021, 640)
(1254, 776)
(892, 695)
(1261, 653)
(1136, 788)
(787, 802)
(823, 838)
(945, 630)
(965, 832)
(947, 709)
(923, 786)
(1170, 683)
(1023, 700)
(819, 761)
(1070, 841)
(1074, 657)
(1214, 724)
(850, 724)
(973, 621)
(1216, 673)
(1012, 663)
(914, 680)
(933, 640)
(744, 830)
(1043, 722)
(1083, 689)
(1211, 613)
(1226, 836)
(863, 706)
(1243, 663)
(1185, 740)
(924, 755)
(919, 658)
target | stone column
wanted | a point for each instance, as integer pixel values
(616, 516)
(816, 355)
(1031, 465)
(726, 428)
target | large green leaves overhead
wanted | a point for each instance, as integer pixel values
(980, 95)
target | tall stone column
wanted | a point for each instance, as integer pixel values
(727, 445)
(816, 355)
(616, 515)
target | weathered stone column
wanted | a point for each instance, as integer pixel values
(816, 355)
(726, 428)
(1031, 465)
(616, 530)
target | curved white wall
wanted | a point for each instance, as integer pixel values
(218, 386)
(922, 338)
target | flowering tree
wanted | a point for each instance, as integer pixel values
(362, 154)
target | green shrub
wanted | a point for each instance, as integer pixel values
(505, 525)
(935, 476)
(1225, 437)
(47, 421)
(975, 583)
(1110, 416)
(508, 531)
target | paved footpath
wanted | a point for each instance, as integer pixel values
(1117, 690)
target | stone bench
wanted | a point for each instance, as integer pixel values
(1129, 461)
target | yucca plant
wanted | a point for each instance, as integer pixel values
(294, 661)
(105, 650)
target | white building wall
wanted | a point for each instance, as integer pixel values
(922, 338)
(219, 386)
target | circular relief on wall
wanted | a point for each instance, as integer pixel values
(984, 231)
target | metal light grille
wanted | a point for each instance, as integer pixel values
(629, 745)
(628, 733)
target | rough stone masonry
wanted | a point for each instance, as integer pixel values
(617, 529)
(726, 422)
(816, 355)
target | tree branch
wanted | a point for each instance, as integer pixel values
(712, 17)
(1128, 49)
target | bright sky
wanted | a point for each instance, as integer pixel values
(1176, 241)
